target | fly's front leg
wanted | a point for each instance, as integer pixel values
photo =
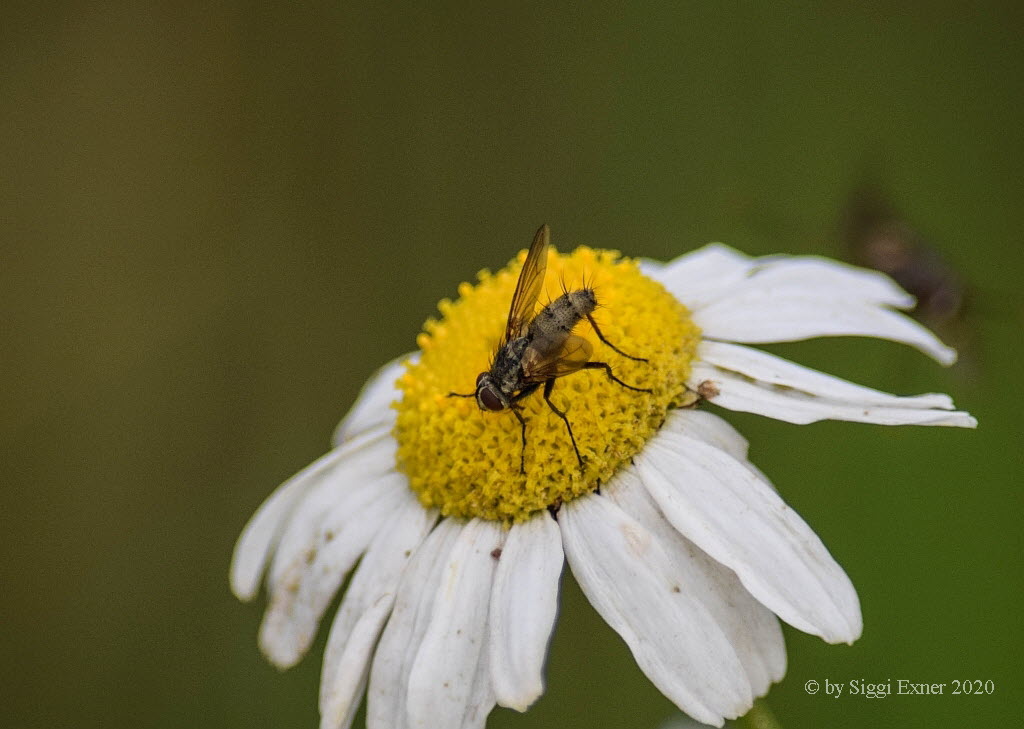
(548, 387)
(522, 452)
(608, 371)
(600, 336)
(514, 407)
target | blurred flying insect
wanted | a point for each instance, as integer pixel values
(538, 348)
(877, 236)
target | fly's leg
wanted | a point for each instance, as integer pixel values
(522, 452)
(608, 371)
(600, 336)
(548, 387)
(512, 405)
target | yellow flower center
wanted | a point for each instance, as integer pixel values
(466, 461)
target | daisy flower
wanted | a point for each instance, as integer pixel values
(455, 525)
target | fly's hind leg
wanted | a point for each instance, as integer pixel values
(548, 387)
(600, 336)
(608, 371)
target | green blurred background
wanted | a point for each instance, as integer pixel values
(219, 218)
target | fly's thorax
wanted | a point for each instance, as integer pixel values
(507, 370)
(466, 461)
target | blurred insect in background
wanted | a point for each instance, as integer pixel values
(877, 236)
(538, 348)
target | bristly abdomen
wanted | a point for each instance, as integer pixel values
(561, 315)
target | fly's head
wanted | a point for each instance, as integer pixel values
(489, 396)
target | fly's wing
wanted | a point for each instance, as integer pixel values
(570, 357)
(524, 300)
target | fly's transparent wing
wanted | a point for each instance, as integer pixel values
(524, 300)
(570, 357)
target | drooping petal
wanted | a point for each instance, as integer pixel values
(307, 586)
(631, 580)
(338, 708)
(265, 531)
(264, 528)
(387, 694)
(772, 370)
(364, 610)
(734, 516)
(449, 685)
(373, 404)
(736, 391)
(367, 458)
(751, 628)
(523, 608)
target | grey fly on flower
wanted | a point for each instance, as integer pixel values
(460, 530)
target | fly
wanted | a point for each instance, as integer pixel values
(538, 348)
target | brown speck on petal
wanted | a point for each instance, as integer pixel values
(708, 389)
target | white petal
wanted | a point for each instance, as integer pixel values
(737, 392)
(387, 695)
(523, 609)
(366, 458)
(264, 528)
(714, 431)
(826, 278)
(790, 315)
(716, 272)
(752, 629)
(481, 698)
(364, 610)
(704, 275)
(650, 268)
(338, 709)
(373, 404)
(734, 516)
(782, 299)
(310, 582)
(768, 368)
(709, 428)
(632, 582)
(443, 682)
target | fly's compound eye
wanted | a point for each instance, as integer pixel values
(490, 400)
(480, 378)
